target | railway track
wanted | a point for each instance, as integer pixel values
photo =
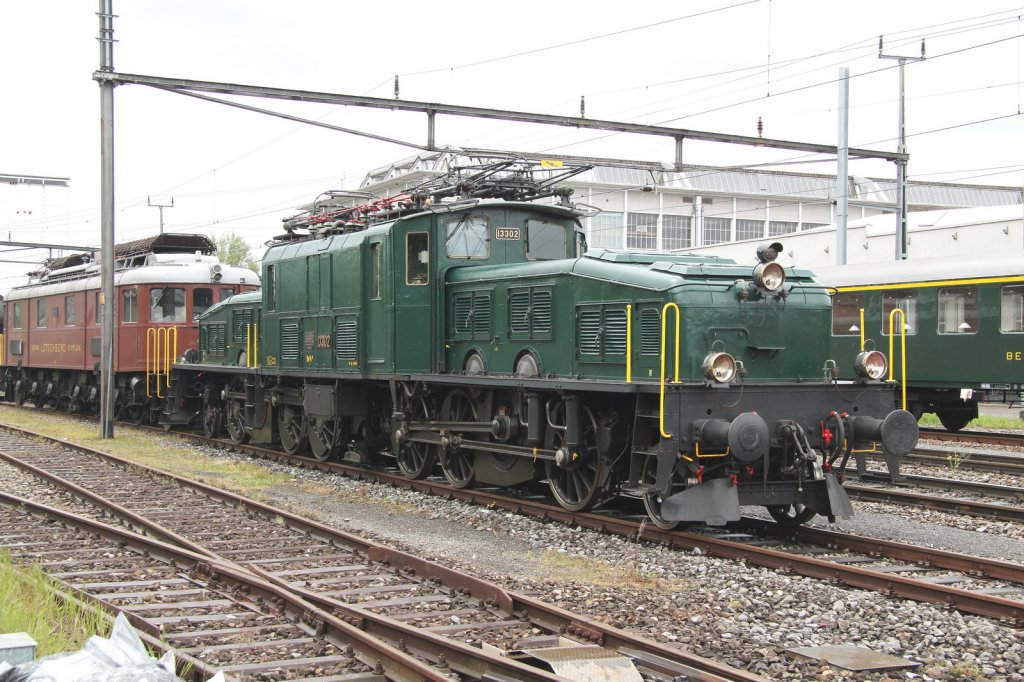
(989, 462)
(444, 618)
(981, 437)
(982, 500)
(927, 576)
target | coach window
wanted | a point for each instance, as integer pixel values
(906, 301)
(167, 304)
(544, 241)
(202, 299)
(1011, 310)
(41, 312)
(70, 318)
(846, 313)
(417, 259)
(468, 238)
(958, 310)
(129, 305)
(271, 287)
(18, 322)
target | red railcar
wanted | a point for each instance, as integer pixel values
(162, 284)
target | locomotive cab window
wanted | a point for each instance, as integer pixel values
(905, 301)
(544, 241)
(417, 259)
(18, 321)
(375, 271)
(202, 299)
(846, 308)
(958, 310)
(167, 304)
(1011, 310)
(129, 305)
(41, 313)
(271, 287)
(70, 317)
(467, 237)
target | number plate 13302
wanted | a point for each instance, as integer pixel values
(506, 233)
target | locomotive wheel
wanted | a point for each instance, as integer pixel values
(213, 421)
(790, 514)
(953, 420)
(234, 414)
(323, 437)
(652, 501)
(577, 487)
(416, 460)
(20, 394)
(458, 465)
(292, 428)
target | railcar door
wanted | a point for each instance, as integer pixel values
(414, 310)
(378, 288)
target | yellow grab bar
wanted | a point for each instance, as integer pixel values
(255, 345)
(629, 344)
(862, 329)
(903, 350)
(151, 362)
(248, 345)
(675, 378)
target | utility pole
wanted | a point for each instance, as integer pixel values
(106, 15)
(901, 164)
(842, 167)
(161, 207)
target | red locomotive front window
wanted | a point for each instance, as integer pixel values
(202, 299)
(225, 294)
(129, 305)
(167, 304)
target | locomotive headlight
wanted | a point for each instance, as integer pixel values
(871, 364)
(719, 367)
(769, 276)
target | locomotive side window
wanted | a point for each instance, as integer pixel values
(417, 259)
(958, 310)
(202, 299)
(271, 287)
(846, 313)
(544, 241)
(167, 304)
(98, 308)
(468, 238)
(70, 317)
(18, 322)
(1011, 310)
(375, 271)
(129, 305)
(41, 312)
(904, 300)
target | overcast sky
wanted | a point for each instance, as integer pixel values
(709, 65)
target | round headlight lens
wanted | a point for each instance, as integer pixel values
(719, 367)
(769, 276)
(871, 364)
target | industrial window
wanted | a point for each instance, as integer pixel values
(41, 312)
(468, 237)
(749, 229)
(18, 322)
(1011, 310)
(641, 231)
(675, 232)
(904, 300)
(544, 241)
(129, 305)
(716, 230)
(70, 318)
(167, 304)
(375, 270)
(846, 313)
(777, 228)
(271, 287)
(958, 310)
(811, 226)
(606, 231)
(202, 299)
(417, 259)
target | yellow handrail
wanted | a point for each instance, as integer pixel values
(3, 349)
(862, 329)
(151, 354)
(629, 344)
(903, 350)
(255, 345)
(248, 345)
(675, 378)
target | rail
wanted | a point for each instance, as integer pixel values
(675, 376)
(903, 350)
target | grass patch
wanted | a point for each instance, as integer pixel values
(173, 454)
(30, 605)
(570, 568)
(982, 422)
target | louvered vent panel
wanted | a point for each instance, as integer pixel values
(239, 320)
(463, 311)
(650, 332)
(519, 311)
(482, 316)
(590, 332)
(615, 332)
(218, 339)
(289, 341)
(541, 312)
(204, 338)
(346, 338)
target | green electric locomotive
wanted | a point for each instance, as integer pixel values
(466, 327)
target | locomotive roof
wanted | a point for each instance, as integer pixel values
(161, 243)
(924, 271)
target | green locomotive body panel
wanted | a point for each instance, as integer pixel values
(229, 331)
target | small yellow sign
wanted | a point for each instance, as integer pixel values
(551, 163)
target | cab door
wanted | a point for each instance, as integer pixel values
(377, 313)
(414, 309)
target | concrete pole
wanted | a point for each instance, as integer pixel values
(106, 15)
(842, 165)
(901, 180)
